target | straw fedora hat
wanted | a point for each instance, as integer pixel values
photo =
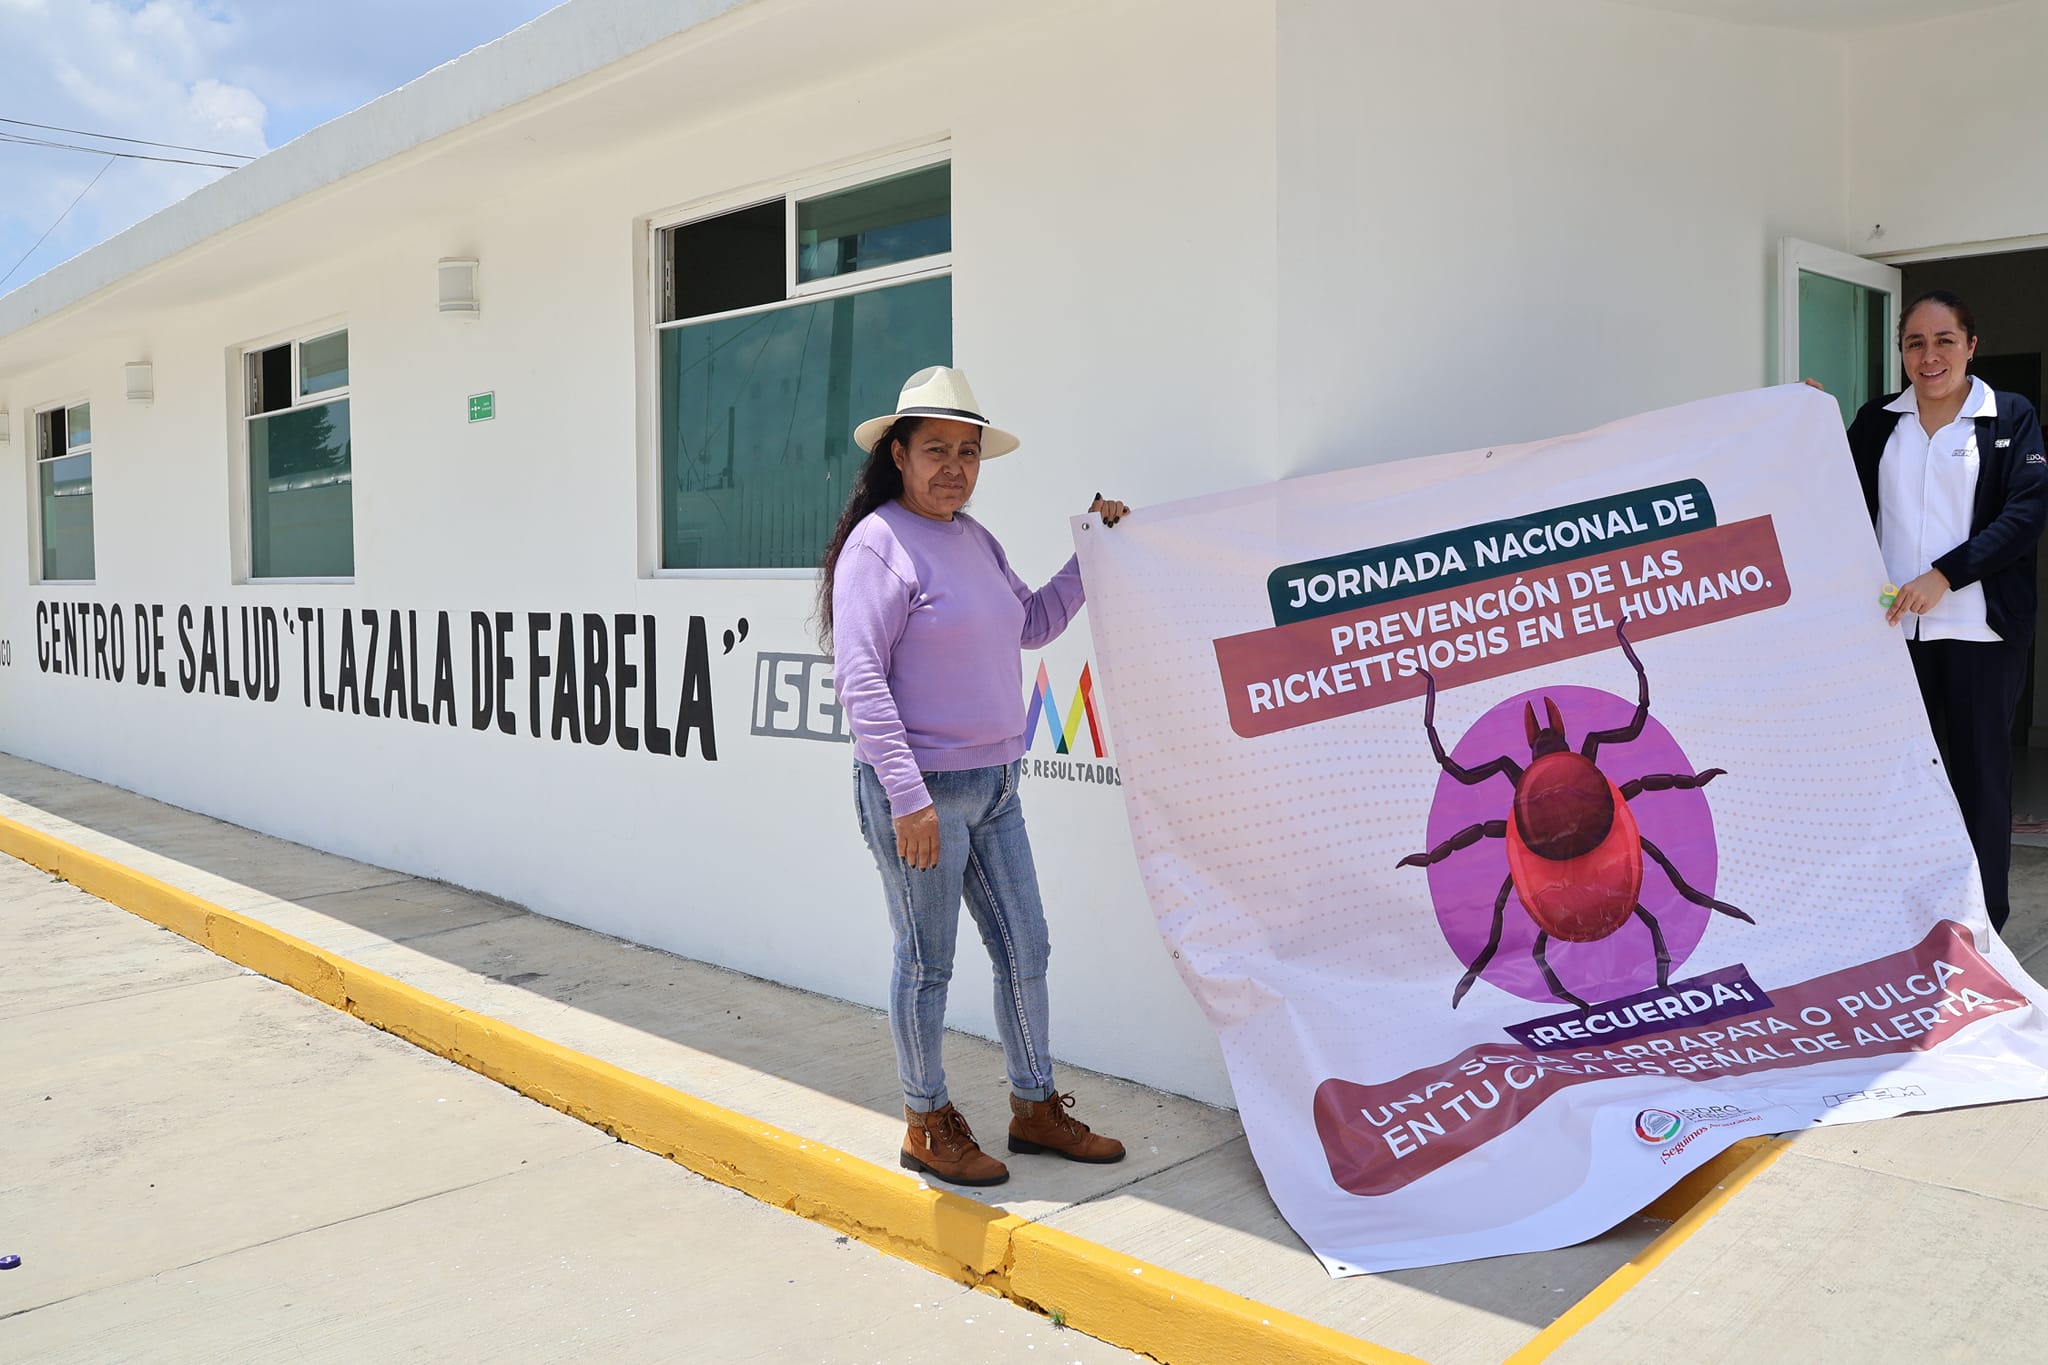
(938, 391)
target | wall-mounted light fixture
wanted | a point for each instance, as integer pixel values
(6, 433)
(141, 381)
(458, 287)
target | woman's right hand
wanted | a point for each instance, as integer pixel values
(1109, 509)
(917, 838)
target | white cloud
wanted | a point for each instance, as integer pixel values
(141, 71)
(232, 75)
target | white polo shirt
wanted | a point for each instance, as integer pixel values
(1926, 487)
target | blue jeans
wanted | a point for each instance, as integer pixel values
(984, 853)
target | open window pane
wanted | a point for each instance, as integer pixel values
(270, 379)
(1836, 315)
(877, 224)
(78, 426)
(323, 364)
(301, 515)
(758, 414)
(50, 434)
(736, 260)
(66, 498)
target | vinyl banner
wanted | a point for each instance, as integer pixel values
(1535, 823)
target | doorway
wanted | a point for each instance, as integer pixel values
(2008, 292)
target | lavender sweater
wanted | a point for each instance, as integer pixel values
(927, 623)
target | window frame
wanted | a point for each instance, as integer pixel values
(35, 463)
(240, 396)
(850, 283)
(1797, 256)
(652, 299)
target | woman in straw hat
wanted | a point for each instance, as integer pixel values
(926, 621)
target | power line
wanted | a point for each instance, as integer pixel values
(60, 218)
(138, 141)
(20, 141)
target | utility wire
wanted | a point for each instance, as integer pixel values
(19, 140)
(109, 137)
(53, 227)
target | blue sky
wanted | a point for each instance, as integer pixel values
(224, 75)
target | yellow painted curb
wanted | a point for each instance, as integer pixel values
(1110, 1296)
(1697, 1185)
(1169, 1316)
(1758, 1154)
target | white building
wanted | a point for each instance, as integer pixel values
(543, 630)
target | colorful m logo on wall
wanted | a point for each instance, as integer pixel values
(1083, 704)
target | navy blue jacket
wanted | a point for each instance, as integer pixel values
(2005, 521)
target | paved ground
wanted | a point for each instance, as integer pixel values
(1188, 1197)
(1916, 1239)
(1922, 1238)
(203, 1165)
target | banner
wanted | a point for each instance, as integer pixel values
(1532, 824)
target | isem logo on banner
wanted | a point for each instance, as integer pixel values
(1534, 823)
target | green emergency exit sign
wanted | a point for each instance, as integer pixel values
(483, 407)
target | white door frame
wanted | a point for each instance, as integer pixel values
(1795, 255)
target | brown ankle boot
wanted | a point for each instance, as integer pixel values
(1046, 1126)
(939, 1144)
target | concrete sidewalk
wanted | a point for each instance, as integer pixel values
(1188, 1199)
(205, 1165)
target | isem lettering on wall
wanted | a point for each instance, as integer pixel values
(795, 698)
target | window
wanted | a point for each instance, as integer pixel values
(782, 325)
(64, 490)
(301, 503)
(885, 222)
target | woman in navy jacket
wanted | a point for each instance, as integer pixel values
(1957, 481)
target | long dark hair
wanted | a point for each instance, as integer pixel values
(879, 481)
(1948, 301)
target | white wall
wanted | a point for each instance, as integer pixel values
(1295, 235)
(1945, 131)
(1503, 221)
(1085, 147)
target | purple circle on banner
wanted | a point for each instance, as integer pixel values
(1464, 885)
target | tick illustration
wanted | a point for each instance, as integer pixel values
(1574, 851)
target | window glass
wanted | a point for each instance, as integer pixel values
(78, 426)
(880, 223)
(323, 364)
(758, 414)
(1842, 340)
(301, 513)
(66, 506)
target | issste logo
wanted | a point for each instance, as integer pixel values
(1041, 703)
(1656, 1126)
